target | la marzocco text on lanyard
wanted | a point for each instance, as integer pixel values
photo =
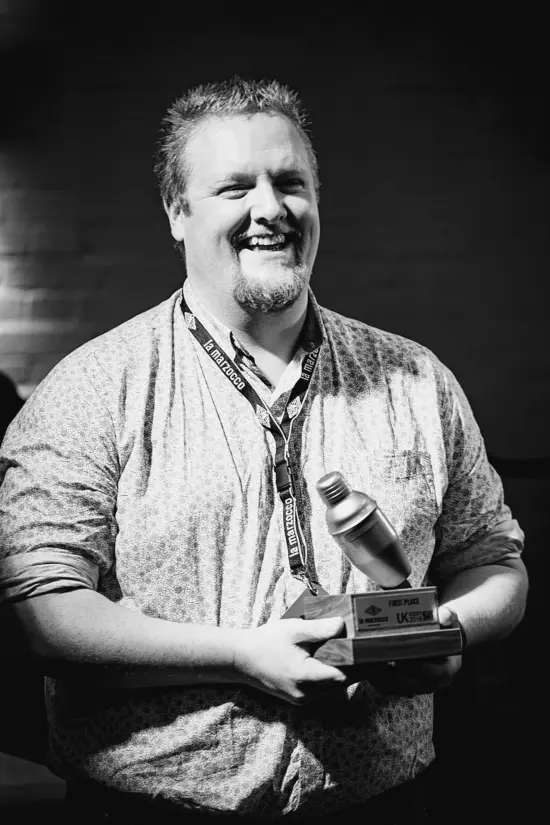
(296, 545)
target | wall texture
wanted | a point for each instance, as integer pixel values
(433, 150)
(434, 169)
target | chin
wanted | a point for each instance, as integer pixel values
(260, 294)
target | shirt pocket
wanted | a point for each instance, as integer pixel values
(402, 484)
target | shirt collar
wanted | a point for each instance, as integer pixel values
(215, 327)
(311, 336)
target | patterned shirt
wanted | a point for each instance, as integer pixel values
(137, 469)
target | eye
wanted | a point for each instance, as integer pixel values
(292, 184)
(236, 190)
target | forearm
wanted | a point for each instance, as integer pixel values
(82, 635)
(489, 601)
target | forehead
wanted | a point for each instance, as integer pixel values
(246, 145)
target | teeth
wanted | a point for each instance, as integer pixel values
(265, 240)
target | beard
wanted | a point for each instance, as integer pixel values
(261, 296)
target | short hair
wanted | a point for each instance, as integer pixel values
(227, 98)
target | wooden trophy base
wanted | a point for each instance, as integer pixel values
(384, 625)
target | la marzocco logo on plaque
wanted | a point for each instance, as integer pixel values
(373, 610)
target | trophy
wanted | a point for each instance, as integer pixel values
(395, 622)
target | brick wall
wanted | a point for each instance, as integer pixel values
(434, 197)
(434, 160)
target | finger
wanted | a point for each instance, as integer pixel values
(318, 630)
(402, 678)
(428, 675)
(316, 671)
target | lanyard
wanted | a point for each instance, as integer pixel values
(281, 432)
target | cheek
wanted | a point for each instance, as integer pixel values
(309, 215)
(210, 242)
(314, 229)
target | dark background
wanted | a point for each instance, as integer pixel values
(434, 156)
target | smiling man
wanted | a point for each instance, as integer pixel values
(248, 221)
(251, 223)
(159, 515)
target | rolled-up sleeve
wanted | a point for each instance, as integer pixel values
(44, 571)
(58, 483)
(475, 527)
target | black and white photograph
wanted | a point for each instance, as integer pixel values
(274, 403)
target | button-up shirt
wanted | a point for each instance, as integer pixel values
(137, 469)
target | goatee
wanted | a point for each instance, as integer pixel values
(270, 298)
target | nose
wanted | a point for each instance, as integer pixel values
(267, 204)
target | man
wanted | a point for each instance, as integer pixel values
(160, 517)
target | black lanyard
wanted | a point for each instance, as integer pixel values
(281, 431)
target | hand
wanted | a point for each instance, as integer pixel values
(276, 658)
(409, 677)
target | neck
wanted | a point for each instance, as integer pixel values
(272, 335)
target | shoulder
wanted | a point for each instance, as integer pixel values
(380, 349)
(130, 346)
(133, 336)
(103, 369)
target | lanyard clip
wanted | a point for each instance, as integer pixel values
(282, 476)
(304, 578)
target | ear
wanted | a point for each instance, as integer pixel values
(176, 218)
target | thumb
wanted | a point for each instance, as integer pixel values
(317, 630)
(446, 616)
